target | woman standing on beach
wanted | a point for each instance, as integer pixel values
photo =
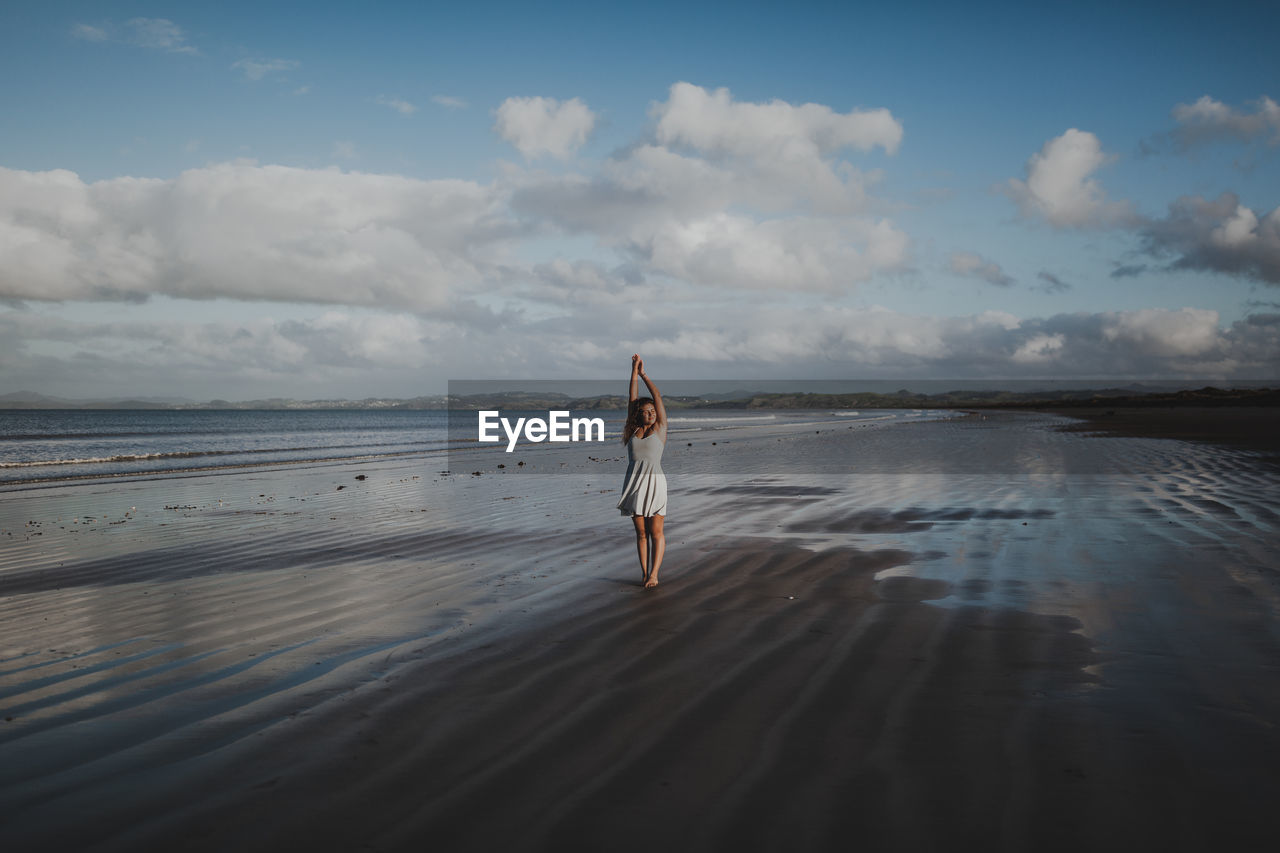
(644, 492)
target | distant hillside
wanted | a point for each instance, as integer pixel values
(902, 399)
(413, 403)
(997, 399)
(1202, 397)
(31, 400)
(538, 402)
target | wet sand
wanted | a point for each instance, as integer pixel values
(978, 632)
(1255, 427)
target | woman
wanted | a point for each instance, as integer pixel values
(644, 493)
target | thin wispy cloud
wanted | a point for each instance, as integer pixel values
(1128, 270)
(1051, 283)
(159, 34)
(449, 101)
(398, 104)
(256, 69)
(88, 32)
(970, 265)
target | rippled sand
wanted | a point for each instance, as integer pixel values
(979, 631)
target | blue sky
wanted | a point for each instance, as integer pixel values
(341, 200)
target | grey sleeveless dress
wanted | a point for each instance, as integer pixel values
(644, 491)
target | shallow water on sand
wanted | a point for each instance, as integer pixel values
(149, 626)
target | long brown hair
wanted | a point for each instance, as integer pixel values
(633, 417)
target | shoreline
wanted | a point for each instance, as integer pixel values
(457, 447)
(210, 470)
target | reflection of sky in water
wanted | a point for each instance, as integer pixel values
(255, 583)
(1041, 538)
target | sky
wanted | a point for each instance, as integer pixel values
(340, 200)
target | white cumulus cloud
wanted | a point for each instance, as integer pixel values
(248, 232)
(785, 152)
(1059, 188)
(1208, 120)
(726, 240)
(715, 122)
(799, 253)
(1162, 332)
(352, 351)
(544, 126)
(1039, 349)
(1218, 235)
(713, 211)
(881, 342)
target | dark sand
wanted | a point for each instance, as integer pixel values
(1256, 427)
(1077, 650)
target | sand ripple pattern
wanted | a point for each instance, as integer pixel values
(1074, 647)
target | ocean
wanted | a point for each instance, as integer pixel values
(50, 445)
(39, 445)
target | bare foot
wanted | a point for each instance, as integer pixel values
(650, 582)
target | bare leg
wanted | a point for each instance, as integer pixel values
(659, 544)
(642, 545)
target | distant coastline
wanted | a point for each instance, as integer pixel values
(30, 400)
(1208, 396)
